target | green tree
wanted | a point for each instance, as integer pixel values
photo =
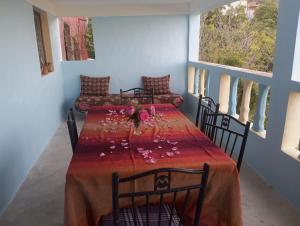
(230, 37)
(90, 40)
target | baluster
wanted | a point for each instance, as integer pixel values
(245, 109)
(202, 82)
(207, 83)
(196, 81)
(260, 115)
(234, 81)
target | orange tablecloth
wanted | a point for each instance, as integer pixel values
(100, 152)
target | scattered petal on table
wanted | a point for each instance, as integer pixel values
(124, 144)
(112, 141)
(140, 149)
(112, 147)
(151, 161)
(102, 154)
(124, 140)
(126, 147)
(174, 148)
(155, 140)
(159, 147)
(174, 143)
(177, 152)
(170, 154)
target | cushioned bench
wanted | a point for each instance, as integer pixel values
(95, 92)
(83, 102)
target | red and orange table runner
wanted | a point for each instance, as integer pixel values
(107, 144)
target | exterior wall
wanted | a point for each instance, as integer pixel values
(128, 47)
(78, 27)
(31, 105)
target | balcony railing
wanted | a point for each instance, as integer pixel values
(221, 82)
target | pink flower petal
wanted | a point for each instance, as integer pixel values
(112, 147)
(170, 154)
(174, 148)
(151, 161)
(140, 149)
(102, 154)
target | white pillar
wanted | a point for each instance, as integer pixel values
(245, 109)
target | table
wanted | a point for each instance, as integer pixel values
(107, 144)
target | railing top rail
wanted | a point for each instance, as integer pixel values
(259, 76)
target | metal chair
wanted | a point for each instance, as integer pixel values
(205, 104)
(228, 133)
(137, 93)
(72, 128)
(165, 212)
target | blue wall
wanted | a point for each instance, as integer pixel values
(129, 47)
(31, 105)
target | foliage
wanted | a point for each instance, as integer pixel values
(90, 40)
(230, 36)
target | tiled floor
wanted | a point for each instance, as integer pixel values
(40, 201)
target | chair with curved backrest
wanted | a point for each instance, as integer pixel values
(72, 128)
(205, 104)
(137, 93)
(163, 212)
(228, 133)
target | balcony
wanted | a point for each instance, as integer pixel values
(133, 39)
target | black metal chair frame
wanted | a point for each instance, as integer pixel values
(211, 128)
(138, 93)
(205, 104)
(72, 128)
(162, 186)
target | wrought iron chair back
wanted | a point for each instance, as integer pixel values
(228, 133)
(205, 104)
(162, 188)
(137, 93)
(72, 128)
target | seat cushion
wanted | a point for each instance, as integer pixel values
(126, 216)
(160, 85)
(94, 86)
(171, 98)
(84, 102)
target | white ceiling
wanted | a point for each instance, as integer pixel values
(93, 8)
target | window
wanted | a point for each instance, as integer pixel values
(77, 41)
(43, 41)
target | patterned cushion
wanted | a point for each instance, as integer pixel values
(83, 103)
(160, 85)
(94, 86)
(126, 216)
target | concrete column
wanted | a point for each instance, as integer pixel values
(202, 82)
(245, 105)
(234, 81)
(260, 115)
(196, 81)
(207, 84)
(224, 92)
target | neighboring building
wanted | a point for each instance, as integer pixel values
(252, 6)
(73, 38)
